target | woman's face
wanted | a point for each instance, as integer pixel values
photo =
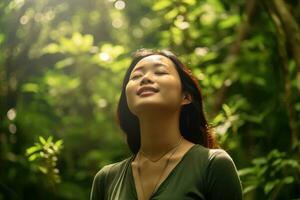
(154, 83)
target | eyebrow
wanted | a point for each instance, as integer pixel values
(156, 64)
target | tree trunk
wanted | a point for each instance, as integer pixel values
(234, 51)
(291, 29)
(283, 38)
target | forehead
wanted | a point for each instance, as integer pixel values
(154, 60)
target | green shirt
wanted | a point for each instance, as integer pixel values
(202, 173)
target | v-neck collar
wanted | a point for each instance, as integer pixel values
(132, 183)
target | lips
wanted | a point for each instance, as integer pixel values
(146, 89)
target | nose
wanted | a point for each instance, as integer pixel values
(147, 78)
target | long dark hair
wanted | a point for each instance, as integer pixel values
(193, 124)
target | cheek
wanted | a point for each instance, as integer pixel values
(131, 97)
(130, 93)
(173, 87)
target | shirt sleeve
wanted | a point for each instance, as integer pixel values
(222, 178)
(98, 187)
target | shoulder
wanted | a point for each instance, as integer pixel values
(105, 177)
(220, 164)
(219, 156)
(211, 155)
(111, 169)
(213, 162)
(222, 176)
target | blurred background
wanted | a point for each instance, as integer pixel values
(61, 70)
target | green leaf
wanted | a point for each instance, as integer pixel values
(209, 56)
(51, 48)
(227, 109)
(49, 140)
(171, 14)
(216, 4)
(259, 161)
(219, 118)
(270, 185)
(262, 170)
(177, 35)
(44, 170)
(32, 150)
(42, 140)
(33, 157)
(64, 63)
(292, 163)
(249, 188)
(229, 21)
(58, 144)
(162, 4)
(288, 180)
(189, 2)
(246, 171)
(30, 87)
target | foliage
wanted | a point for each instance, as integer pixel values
(43, 156)
(271, 173)
(61, 69)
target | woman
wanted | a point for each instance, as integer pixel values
(161, 112)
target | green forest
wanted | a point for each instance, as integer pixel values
(61, 70)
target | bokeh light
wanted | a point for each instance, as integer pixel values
(11, 114)
(120, 5)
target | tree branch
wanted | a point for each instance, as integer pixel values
(282, 40)
(291, 29)
(234, 50)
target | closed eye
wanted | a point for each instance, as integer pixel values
(161, 73)
(135, 77)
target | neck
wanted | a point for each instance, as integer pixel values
(159, 134)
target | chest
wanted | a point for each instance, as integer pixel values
(148, 177)
(176, 184)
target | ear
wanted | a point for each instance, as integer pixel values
(186, 98)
